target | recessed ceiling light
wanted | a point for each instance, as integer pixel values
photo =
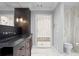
(39, 5)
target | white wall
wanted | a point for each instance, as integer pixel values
(33, 31)
(59, 27)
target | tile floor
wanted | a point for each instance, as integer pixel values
(36, 51)
(45, 52)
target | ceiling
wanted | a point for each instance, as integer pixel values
(31, 5)
(34, 5)
(71, 4)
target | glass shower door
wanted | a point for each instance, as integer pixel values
(43, 30)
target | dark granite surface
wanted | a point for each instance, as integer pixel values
(13, 41)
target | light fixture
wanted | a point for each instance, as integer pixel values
(17, 20)
(21, 19)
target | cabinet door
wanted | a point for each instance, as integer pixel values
(22, 51)
(28, 47)
(19, 50)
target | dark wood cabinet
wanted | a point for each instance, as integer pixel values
(25, 24)
(23, 15)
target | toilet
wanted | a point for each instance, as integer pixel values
(67, 48)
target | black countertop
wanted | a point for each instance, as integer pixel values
(14, 40)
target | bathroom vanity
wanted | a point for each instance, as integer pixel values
(23, 48)
(13, 42)
(18, 47)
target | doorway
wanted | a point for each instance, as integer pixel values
(43, 30)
